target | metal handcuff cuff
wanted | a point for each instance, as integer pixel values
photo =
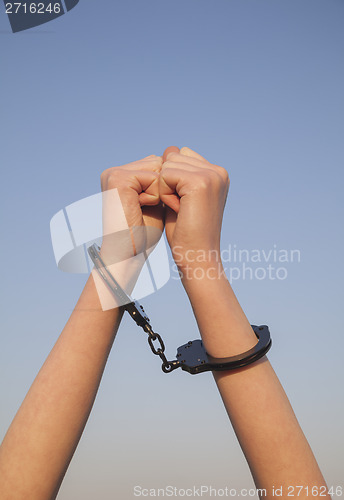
(191, 357)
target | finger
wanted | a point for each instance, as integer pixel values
(134, 186)
(180, 160)
(192, 154)
(135, 189)
(191, 157)
(170, 149)
(173, 184)
(195, 166)
(167, 192)
(146, 185)
(180, 165)
(150, 195)
(152, 162)
(112, 175)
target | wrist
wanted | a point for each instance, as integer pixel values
(202, 270)
(223, 325)
(125, 273)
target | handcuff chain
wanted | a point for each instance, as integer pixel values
(167, 366)
(192, 356)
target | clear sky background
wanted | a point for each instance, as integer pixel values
(254, 86)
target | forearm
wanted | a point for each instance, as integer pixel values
(276, 450)
(43, 436)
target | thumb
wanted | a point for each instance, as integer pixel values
(192, 154)
(170, 149)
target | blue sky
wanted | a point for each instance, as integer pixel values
(256, 87)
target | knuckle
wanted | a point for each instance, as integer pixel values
(225, 176)
(213, 179)
(104, 178)
(110, 177)
(104, 174)
(156, 168)
(168, 167)
(204, 180)
(172, 156)
(222, 172)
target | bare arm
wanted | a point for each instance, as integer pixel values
(270, 436)
(274, 445)
(42, 438)
(44, 434)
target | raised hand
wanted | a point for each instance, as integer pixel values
(195, 191)
(131, 194)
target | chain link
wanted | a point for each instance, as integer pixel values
(135, 310)
(167, 366)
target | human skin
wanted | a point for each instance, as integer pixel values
(270, 436)
(46, 430)
(44, 434)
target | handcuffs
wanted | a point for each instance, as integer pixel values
(191, 357)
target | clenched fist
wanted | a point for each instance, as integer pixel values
(195, 191)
